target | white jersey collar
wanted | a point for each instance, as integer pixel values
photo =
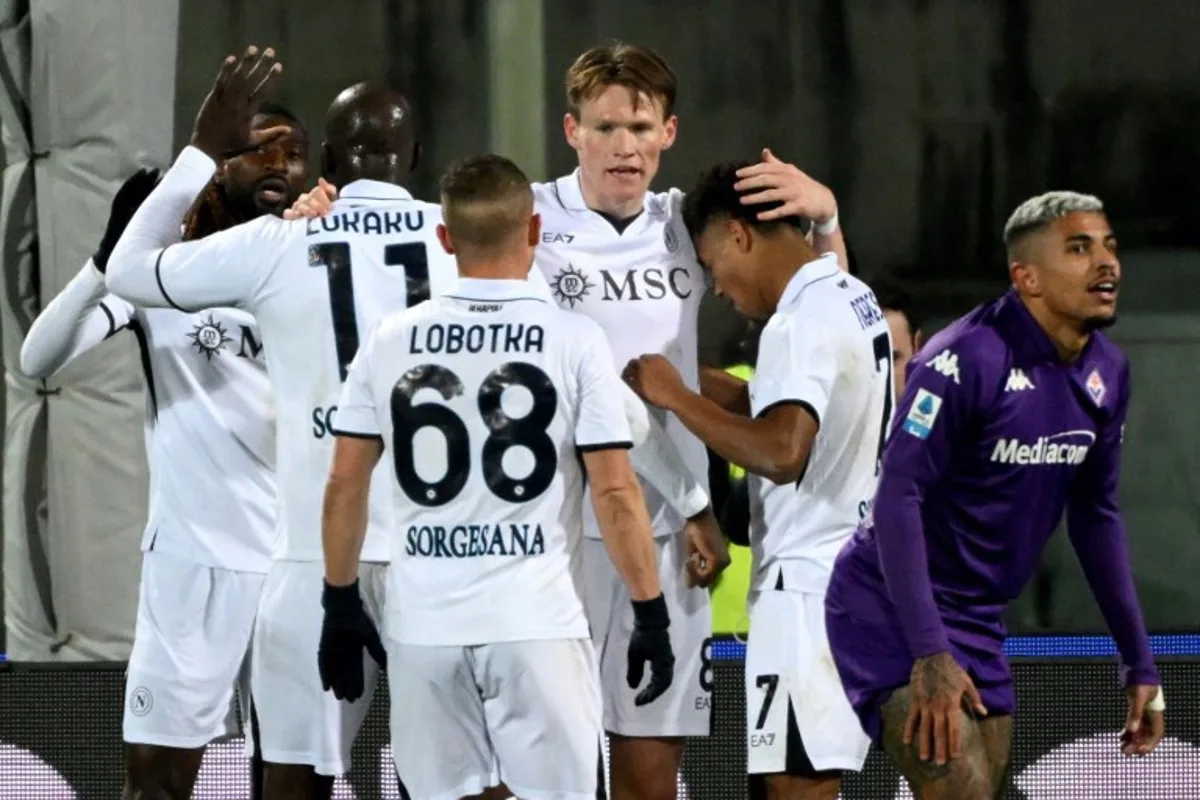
(495, 289)
(822, 268)
(373, 190)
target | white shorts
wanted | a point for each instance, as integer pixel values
(686, 708)
(526, 713)
(798, 718)
(191, 645)
(298, 721)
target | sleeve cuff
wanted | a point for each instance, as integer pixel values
(196, 160)
(694, 502)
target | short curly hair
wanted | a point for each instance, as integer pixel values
(713, 197)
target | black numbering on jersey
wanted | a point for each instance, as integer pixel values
(506, 432)
(771, 684)
(883, 363)
(335, 258)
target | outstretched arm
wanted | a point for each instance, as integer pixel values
(79, 318)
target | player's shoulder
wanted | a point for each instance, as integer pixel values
(972, 348)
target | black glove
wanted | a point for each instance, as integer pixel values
(125, 203)
(651, 643)
(345, 632)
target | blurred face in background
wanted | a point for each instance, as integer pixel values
(619, 135)
(1071, 268)
(905, 342)
(267, 180)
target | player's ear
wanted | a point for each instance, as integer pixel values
(444, 237)
(535, 229)
(672, 126)
(571, 129)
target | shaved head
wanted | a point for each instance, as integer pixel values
(370, 133)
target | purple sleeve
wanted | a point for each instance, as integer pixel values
(1097, 533)
(937, 410)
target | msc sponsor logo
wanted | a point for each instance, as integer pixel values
(474, 541)
(1067, 448)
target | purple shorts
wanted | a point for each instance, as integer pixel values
(873, 660)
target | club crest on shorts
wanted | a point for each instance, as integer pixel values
(570, 285)
(670, 238)
(1095, 386)
(141, 702)
(209, 337)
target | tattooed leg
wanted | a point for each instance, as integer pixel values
(968, 777)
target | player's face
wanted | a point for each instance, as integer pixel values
(725, 249)
(904, 344)
(619, 142)
(269, 179)
(1076, 272)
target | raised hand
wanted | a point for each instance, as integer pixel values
(223, 123)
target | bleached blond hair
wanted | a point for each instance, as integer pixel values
(1038, 212)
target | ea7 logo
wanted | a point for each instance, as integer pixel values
(945, 363)
(1017, 381)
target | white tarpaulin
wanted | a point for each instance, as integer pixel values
(88, 96)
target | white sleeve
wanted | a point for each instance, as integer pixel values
(601, 422)
(80, 317)
(660, 464)
(224, 269)
(356, 407)
(797, 363)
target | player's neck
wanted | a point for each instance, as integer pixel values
(791, 256)
(1064, 334)
(494, 269)
(609, 206)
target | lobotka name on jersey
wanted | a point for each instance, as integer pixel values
(474, 541)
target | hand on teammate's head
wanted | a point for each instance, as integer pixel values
(779, 181)
(125, 203)
(223, 124)
(317, 202)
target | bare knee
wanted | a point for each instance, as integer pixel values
(160, 773)
(295, 782)
(645, 768)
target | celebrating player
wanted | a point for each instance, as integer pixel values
(1011, 415)
(312, 287)
(809, 429)
(487, 639)
(209, 535)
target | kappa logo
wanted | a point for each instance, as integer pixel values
(945, 363)
(1017, 381)
(570, 285)
(209, 337)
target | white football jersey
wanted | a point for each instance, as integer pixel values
(642, 286)
(484, 399)
(210, 419)
(826, 348)
(315, 286)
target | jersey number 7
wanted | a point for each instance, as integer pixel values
(335, 257)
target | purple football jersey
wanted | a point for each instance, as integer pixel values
(994, 439)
